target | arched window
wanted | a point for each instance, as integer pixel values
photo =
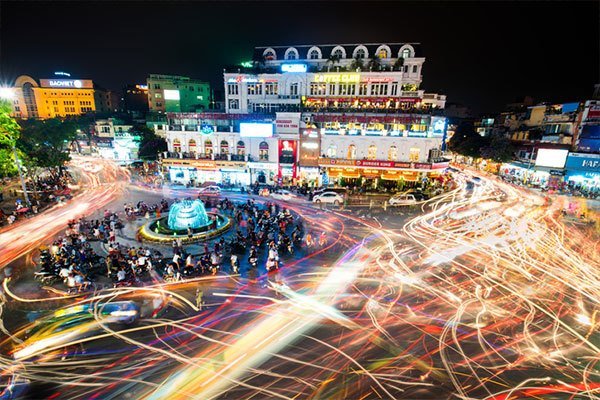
(177, 146)
(351, 152)
(406, 53)
(263, 151)
(392, 153)
(291, 54)
(314, 54)
(338, 52)
(332, 151)
(372, 152)
(360, 53)
(241, 148)
(383, 51)
(269, 54)
(192, 146)
(208, 147)
(224, 147)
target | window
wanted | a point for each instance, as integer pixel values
(208, 147)
(379, 89)
(332, 89)
(317, 89)
(263, 151)
(338, 52)
(351, 152)
(255, 88)
(414, 69)
(271, 88)
(383, 53)
(406, 53)
(241, 148)
(392, 153)
(361, 53)
(394, 89)
(291, 54)
(413, 154)
(234, 104)
(232, 89)
(362, 89)
(156, 86)
(269, 55)
(224, 147)
(314, 54)
(294, 89)
(192, 146)
(176, 146)
(331, 151)
(406, 68)
(372, 152)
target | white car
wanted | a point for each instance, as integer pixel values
(402, 200)
(328, 197)
(210, 190)
(282, 195)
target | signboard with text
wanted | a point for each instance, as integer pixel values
(287, 123)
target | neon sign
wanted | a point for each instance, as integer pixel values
(62, 73)
(239, 79)
(345, 78)
(65, 83)
(293, 68)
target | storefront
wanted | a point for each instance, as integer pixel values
(233, 173)
(194, 172)
(583, 171)
(262, 172)
(532, 175)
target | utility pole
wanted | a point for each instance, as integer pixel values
(18, 162)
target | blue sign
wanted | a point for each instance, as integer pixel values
(583, 162)
(293, 68)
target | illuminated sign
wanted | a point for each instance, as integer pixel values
(171, 94)
(65, 83)
(207, 129)
(438, 125)
(310, 145)
(293, 68)
(246, 64)
(239, 79)
(376, 79)
(248, 129)
(141, 87)
(552, 158)
(62, 73)
(344, 78)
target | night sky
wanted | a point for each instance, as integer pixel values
(483, 55)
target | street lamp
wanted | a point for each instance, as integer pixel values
(7, 95)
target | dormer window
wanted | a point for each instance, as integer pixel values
(360, 53)
(291, 54)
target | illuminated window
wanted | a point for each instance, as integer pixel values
(224, 147)
(362, 89)
(372, 152)
(406, 53)
(208, 147)
(254, 88)
(383, 53)
(192, 146)
(332, 89)
(392, 153)
(317, 89)
(271, 88)
(241, 148)
(413, 154)
(351, 152)
(176, 146)
(331, 151)
(263, 151)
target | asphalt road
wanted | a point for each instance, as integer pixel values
(463, 296)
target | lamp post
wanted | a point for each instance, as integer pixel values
(6, 95)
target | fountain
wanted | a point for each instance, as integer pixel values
(183, 215)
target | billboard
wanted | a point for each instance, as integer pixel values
(255, 129)
(293, 68)
(67, 83)
(583, 162)
(171, 94)
(438, 126)
(286, 122)
(551, 158)
(287, 151)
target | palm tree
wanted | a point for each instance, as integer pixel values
(375, 63)
(333, 59)
(357, 64)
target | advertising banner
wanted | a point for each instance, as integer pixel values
(287, 123)
(583, 162)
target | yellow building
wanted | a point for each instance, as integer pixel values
(57, 97)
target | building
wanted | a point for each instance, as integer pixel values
(114, 140)
(172, 93)
(346, 114)
(60, 96)
(135, 100)
(369, 77)
(109, 127)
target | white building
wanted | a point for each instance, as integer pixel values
(108, 127)
(369, 76)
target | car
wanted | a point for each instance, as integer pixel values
(402, 200)
(328, 197)
(281, 194)
(210, 190)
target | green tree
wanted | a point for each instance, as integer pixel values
(375, 63)
(357, 64)
(150, 143)
(466, 141)
(498, 149)
(45, 143)
(399, 64)
(9, 134)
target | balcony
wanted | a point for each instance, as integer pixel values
(207, 156)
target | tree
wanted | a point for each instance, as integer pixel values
(45, 143)
(9, 134)
(333, 59)
(399, 64)
(357, 64)
(150, 143)
(375, 63)
(466, 141)
(498, 149)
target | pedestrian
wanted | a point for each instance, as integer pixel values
(199, 299)
(190, 232)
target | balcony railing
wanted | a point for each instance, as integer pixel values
(208, 156)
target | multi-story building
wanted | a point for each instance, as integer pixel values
(317, 114)
(61, 96)
(135, 100)
(172, 93)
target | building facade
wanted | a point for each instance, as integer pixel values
(57, 97)
(172, 93)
